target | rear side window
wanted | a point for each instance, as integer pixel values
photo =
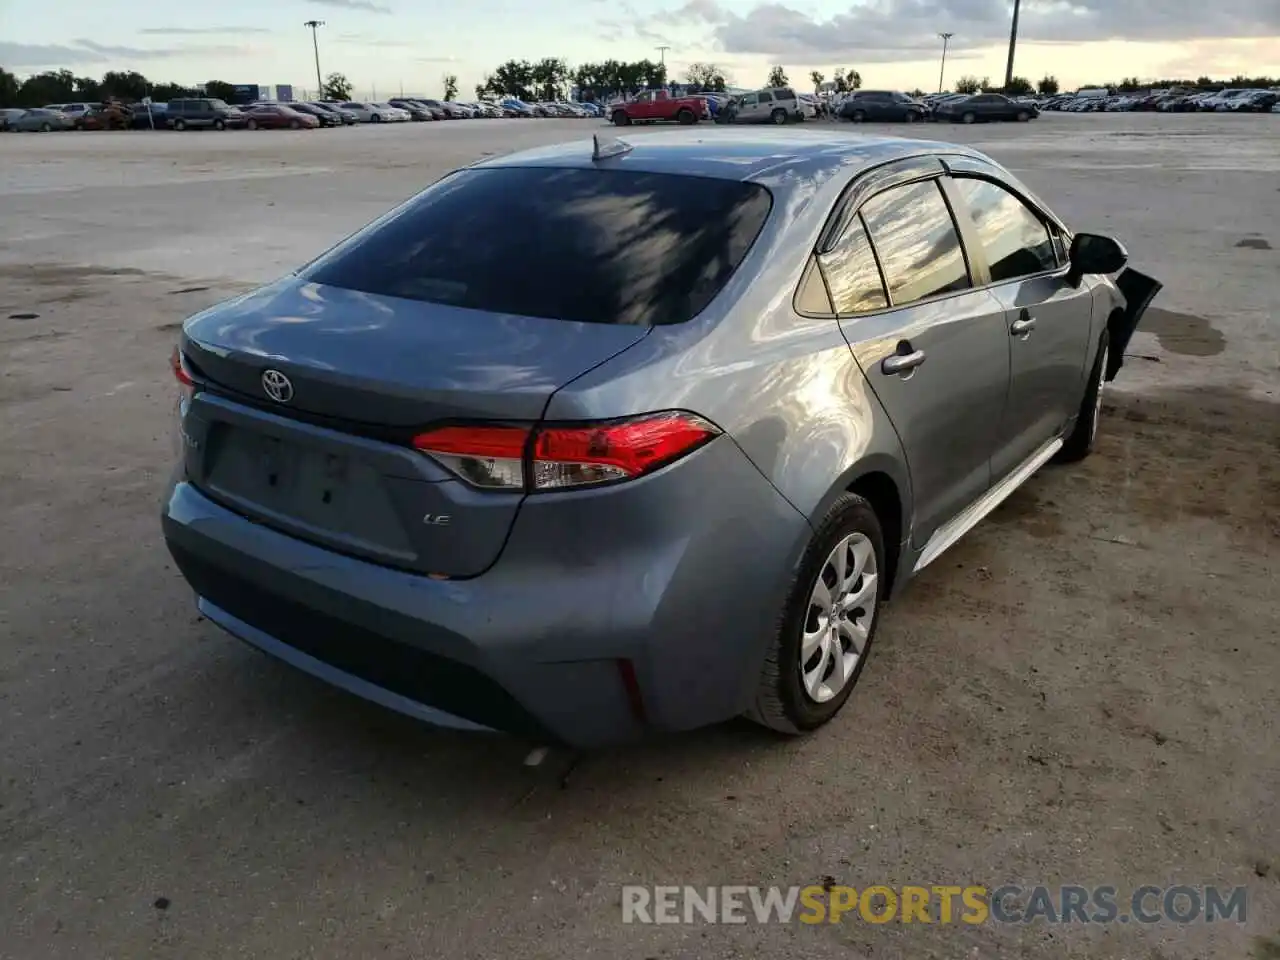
(1015, 240)
(852, 274)
(766, 97)
(589, 245)
(916, 241)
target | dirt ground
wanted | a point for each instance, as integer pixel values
(1083, 691)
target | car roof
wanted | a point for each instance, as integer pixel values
(772, 158)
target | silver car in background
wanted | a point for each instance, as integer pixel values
(791, 370)
(41, 120)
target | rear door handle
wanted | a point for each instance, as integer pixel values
(1023, 326)
(902, 362)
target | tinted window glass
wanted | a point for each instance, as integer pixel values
(917, 242)
(636, 248)
(1015, 240)
(852, 273)
(766, 97)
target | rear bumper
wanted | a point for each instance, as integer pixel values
(596, 626)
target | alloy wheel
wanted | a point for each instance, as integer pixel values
(842, 605)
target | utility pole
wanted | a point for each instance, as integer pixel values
(1013, 42)
(946, 38)
(662, 54)
(315, 45)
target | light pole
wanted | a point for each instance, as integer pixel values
(946, 38)
(1013, 42)
(315, 45)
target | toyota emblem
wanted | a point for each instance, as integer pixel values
(277, 386)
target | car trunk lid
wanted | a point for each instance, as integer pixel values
(311, 395)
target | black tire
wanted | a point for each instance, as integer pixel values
(1023, 116)
(781, 702)
(686, 117)
(912, 116)
(45, 128)
(969, 118)
(858, 116)
(779, 117)
(179, 125)
(376, 118)
(620, 119)
(219, 125)
(294, 125)
(1084, 435)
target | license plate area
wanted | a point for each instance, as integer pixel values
(317, 492)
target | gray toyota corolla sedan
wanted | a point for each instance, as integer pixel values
(606, 438)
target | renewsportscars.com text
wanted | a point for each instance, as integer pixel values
(942, 904)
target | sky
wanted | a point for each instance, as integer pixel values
(386, 46)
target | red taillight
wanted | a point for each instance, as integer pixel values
(180, 373)
(180, 369)
(565, 455)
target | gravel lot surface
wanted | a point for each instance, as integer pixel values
(1084, 690)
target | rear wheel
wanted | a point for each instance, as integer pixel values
(826, 628)
(179, 124)
(686, 117)
(858, 116)
(620, 118)
(969, 118)
(779, 117)
(252, 124)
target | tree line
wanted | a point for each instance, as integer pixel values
(62, 86)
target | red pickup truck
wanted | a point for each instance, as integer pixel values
(651, 106)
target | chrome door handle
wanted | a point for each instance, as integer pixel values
(902, 362)
(1022, 327)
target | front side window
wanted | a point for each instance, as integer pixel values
(642, 248)
(916, 239)
(852, 274)
(1016, 241)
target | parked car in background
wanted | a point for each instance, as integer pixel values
(41, 120)
(203, 113)
(278, 116)
(984, 108)
(653, 106)
(389, 113)
(345, 117)
(892, 105)
(515, 107)
(75, 111)
(8, 114)
(144, 116)
(410, 494)
(417, 111)
(778, 106)
(363, 112)
(325, 118)
(438, 110)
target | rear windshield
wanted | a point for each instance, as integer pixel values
(590, 245)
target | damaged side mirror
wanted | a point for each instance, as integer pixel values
(1094, 254)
